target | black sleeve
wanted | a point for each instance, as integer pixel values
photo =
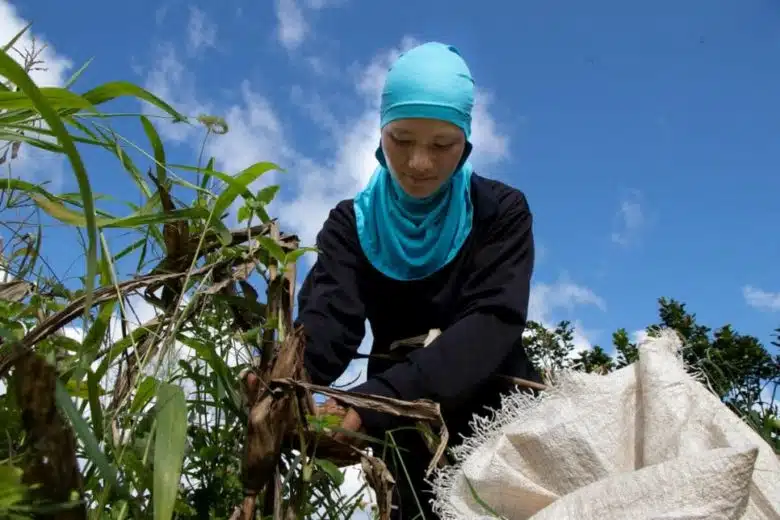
(329, 304)
(490, 320)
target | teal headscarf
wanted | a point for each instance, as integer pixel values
(409, 238)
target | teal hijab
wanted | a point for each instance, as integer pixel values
(408, 238)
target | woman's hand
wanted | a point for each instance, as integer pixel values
(331, 407)
(350, 423)
(350, 420)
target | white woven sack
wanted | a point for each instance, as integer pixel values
(650, 423)
(709, 486)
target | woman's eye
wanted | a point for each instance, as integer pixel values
(401, 142)
(439, 146)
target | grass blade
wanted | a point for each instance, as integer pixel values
(83, 432)
(157, 147)
(115, 89)
(169, 445)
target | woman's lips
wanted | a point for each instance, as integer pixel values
(420, 179)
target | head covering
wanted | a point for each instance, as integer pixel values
(409, 238)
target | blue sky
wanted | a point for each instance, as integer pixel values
(645, 135)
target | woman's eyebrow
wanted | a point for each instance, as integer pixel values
(401, 132)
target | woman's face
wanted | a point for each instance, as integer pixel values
(422, 153)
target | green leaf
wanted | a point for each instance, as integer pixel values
(274, 249)
(267, 194)
(294, 256)
(17, 75)
(95, 410)
(18, 185)
(331, 469)
(57, 97)
(240, 184)
(12, 490)
(59, 211)
(143, 394)
(97, 331)
(132, 221)
(77, 389)
(169, 443)
(157, 146)
(115, 89)
(206, 352)
(243, 213)
(77, 74)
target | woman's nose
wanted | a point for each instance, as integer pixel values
(420, 160)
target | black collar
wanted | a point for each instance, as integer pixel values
(484, 199)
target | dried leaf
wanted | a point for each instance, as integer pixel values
(381, 481)
(15, 290)
(271, 416)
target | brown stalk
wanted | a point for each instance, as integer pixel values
(50, 460)
(271, 416)
(381, 481)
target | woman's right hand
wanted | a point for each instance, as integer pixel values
(331, 407)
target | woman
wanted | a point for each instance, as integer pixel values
(428, 244)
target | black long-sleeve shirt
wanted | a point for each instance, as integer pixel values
(479, 301)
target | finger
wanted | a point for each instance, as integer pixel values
(251, 383)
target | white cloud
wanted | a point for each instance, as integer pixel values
(547, 299)
(31, 163)
(629, 221)
(489, 144)
(322, 4)
(760, 299)
(201, 32)
(255, 131)
(639, 336)
(55, 66)
(292, 28)
(170, 80)
(255, 134)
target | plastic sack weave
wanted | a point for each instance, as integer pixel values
(648, 441)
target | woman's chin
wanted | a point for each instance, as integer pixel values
(420, 189)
